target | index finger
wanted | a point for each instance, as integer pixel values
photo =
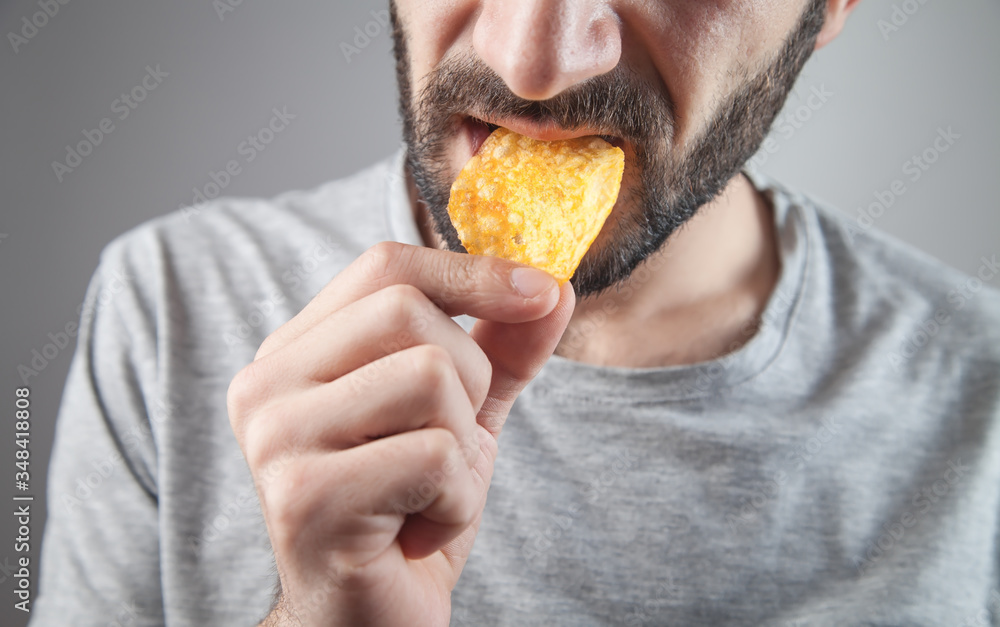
(487, 288)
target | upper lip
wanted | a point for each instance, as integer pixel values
(546, 131)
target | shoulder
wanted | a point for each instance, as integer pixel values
(350, 209)
(889, 299)
(232, 270)
(236, 240)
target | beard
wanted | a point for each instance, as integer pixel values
(664, 190)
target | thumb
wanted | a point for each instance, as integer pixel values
(517, 352)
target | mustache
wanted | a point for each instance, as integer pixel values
(618, 103)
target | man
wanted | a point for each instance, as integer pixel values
(754, 414)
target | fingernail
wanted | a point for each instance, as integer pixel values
(530, 282)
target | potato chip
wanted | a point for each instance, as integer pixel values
(536, 202)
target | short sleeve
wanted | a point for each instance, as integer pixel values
(100, 559)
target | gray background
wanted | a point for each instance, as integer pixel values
(889, 97)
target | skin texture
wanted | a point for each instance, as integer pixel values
(671, 170)
(370, 420)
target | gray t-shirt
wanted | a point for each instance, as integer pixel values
(841, 468)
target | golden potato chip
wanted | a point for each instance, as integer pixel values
(536, 202)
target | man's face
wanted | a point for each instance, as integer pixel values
(687, 88)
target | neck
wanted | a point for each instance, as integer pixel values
(700, 297)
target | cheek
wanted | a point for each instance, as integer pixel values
(702, 51)
(435, 29)
(743, 29)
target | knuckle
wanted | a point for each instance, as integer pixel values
(259, 445)
(432, 367)
(437, 446)
(265, 347)
(378, 261)
(476, 273)
(467, 509)
(463, 275)
(403, 306)
(244, 393)
(285, 503)
(481, 379)
(496, 274)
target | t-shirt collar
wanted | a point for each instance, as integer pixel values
(564, 376)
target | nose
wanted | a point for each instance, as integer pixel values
(542, 47)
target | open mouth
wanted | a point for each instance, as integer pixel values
(492, 127)
(478, 130)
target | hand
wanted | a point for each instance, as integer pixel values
(370, 424)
